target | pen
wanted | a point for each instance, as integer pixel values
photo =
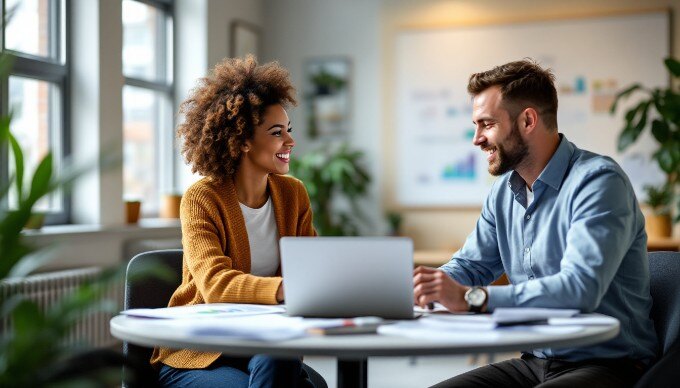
(359, 325)
(430, 306)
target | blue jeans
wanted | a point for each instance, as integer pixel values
(256, 371)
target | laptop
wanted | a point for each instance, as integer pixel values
(338, 277)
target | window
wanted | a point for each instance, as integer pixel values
(148, 131)
(36, 91)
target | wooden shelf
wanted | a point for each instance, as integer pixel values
(437, 257)
(663, 244)
(432, 257)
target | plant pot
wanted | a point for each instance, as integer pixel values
(170, 205)
(132, 211)
(36, 221)
(658, 225)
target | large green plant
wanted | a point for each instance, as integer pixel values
(33, 350)
(328, 175)
(659, 110)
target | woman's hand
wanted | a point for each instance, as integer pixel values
(279, 293)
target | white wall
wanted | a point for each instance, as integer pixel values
(202, 34)
(297, 30)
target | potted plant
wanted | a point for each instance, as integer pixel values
(330, 176)
(659, 110)
(394, 220)
(658, 222)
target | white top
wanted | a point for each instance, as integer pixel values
(263, 237)
(530, 196)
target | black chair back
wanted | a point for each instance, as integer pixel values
(152, 293)
(149, 292)
(664, 271)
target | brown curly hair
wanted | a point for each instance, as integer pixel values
(223, 110)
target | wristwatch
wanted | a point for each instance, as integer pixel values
(475, 298)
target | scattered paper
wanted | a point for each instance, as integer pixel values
(209, 310)
(418, 330)
(459, 322)
(587, 320)
(508, 315)
(438, 308)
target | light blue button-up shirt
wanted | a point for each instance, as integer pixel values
(580, 244)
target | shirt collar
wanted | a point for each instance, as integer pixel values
(553, 173)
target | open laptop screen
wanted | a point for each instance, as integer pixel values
(348, 276)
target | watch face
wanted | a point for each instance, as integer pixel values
(476, 297)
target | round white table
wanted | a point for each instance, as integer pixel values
(353, 351)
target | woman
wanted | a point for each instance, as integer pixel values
(238, 136)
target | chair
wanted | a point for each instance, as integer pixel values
(664, 268)
(151, 293)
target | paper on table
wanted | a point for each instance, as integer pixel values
(509, 315)
(418, 330)
(258, 327)
(438, 308)
(500, 317)
(459, 322)
(205, 311)
(588, 320)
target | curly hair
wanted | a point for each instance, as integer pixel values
(523, 83)
(223, 110)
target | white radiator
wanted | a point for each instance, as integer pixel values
(45, 289)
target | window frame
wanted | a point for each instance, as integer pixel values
(165, 159)
(55, 69)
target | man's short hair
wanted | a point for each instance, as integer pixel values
(523, 84)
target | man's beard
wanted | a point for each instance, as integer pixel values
(510, 152)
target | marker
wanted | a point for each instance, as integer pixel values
(359, 325)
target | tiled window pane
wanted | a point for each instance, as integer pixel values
(29, 27)
(141, 114)
(142, 41)
(35, 108)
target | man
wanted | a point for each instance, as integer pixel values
(563, 224)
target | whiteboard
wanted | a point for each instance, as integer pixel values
(592, 59)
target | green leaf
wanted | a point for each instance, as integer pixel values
(6, 63)
(673, 66)
(633, 129)
(623, 95)
(26, 316)
(665, 158)
(4, 128)
(660, 130)
(40, 185)
(18, 166)
(33, 261)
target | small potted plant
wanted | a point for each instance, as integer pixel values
(658, 221)
(170, 205)
(334, 175)
(394, 220)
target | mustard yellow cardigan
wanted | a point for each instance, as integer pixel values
(216, 265)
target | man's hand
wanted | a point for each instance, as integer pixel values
(434, 285)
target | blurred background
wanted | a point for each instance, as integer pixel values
(382, 102)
